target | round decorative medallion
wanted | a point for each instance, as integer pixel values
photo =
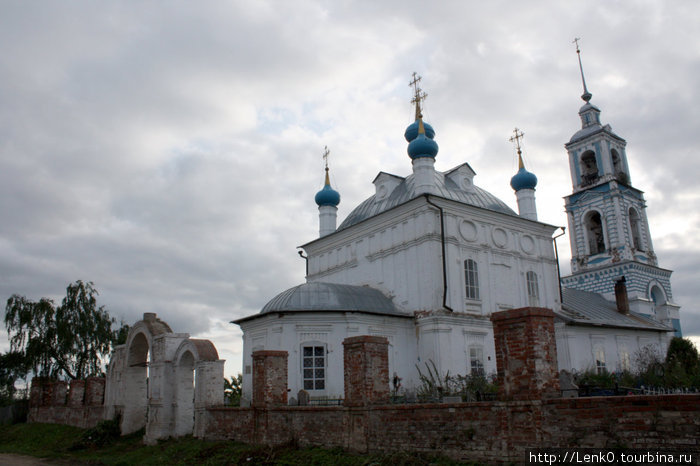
(527, 243)
(468, 230)
(500, 237)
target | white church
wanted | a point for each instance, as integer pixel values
(426, 259)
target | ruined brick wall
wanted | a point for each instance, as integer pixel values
(78, 403)
(502, 431)
(526, 353)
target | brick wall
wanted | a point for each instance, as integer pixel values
(502, 431)
(530, 418)
(77, 403)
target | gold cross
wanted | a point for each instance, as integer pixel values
(325, 156)
(418, 94)
(518, 135)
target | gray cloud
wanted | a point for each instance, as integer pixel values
(170, 152)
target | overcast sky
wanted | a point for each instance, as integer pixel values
(170, 151)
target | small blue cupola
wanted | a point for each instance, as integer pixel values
(419, 134)
(422, 145)
(524, 183)
(523, 179)
(327, 199)
(327, 196)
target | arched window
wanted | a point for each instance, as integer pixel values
(635, 228)
(594, 229)
(589, 168)
(533, 292)
(471, 279)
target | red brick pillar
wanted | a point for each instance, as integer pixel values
(269, 378)
(60, 393)
(76, 393)
(526, 353)
(366, 369)
(36, 392)
(94, 391)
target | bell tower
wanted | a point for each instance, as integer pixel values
(608, 227)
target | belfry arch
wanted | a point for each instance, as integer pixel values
(595, 232)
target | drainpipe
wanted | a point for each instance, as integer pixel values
(306, 258)
(556, 257)
(444, 252)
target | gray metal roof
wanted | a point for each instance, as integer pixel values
(405, 191)
(587, 308)
(321, 296)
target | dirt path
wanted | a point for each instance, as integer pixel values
(10, 459)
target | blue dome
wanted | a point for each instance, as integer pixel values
(327, 196)
(412, 131)
(422, 146)
(523, 180)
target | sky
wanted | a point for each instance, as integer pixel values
(169, 152)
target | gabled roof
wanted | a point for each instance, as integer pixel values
(587, 308)
(405, 191)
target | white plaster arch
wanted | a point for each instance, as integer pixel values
(198, 381)
(139, 354)
(163, 381)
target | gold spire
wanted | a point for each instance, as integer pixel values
(418, 97)
(517, 136)
(325, 159)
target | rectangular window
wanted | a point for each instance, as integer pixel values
(476, 360)
(471, 279)
(599, 354)
(314, 367)
(625, 359)
(533, 291)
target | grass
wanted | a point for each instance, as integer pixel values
(72, 444)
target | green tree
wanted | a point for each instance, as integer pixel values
(233, 389)
(68, 341)
(12, 367)
(682, 363)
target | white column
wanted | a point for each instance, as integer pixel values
(327, 216)
(424, 175)
(526, 203)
